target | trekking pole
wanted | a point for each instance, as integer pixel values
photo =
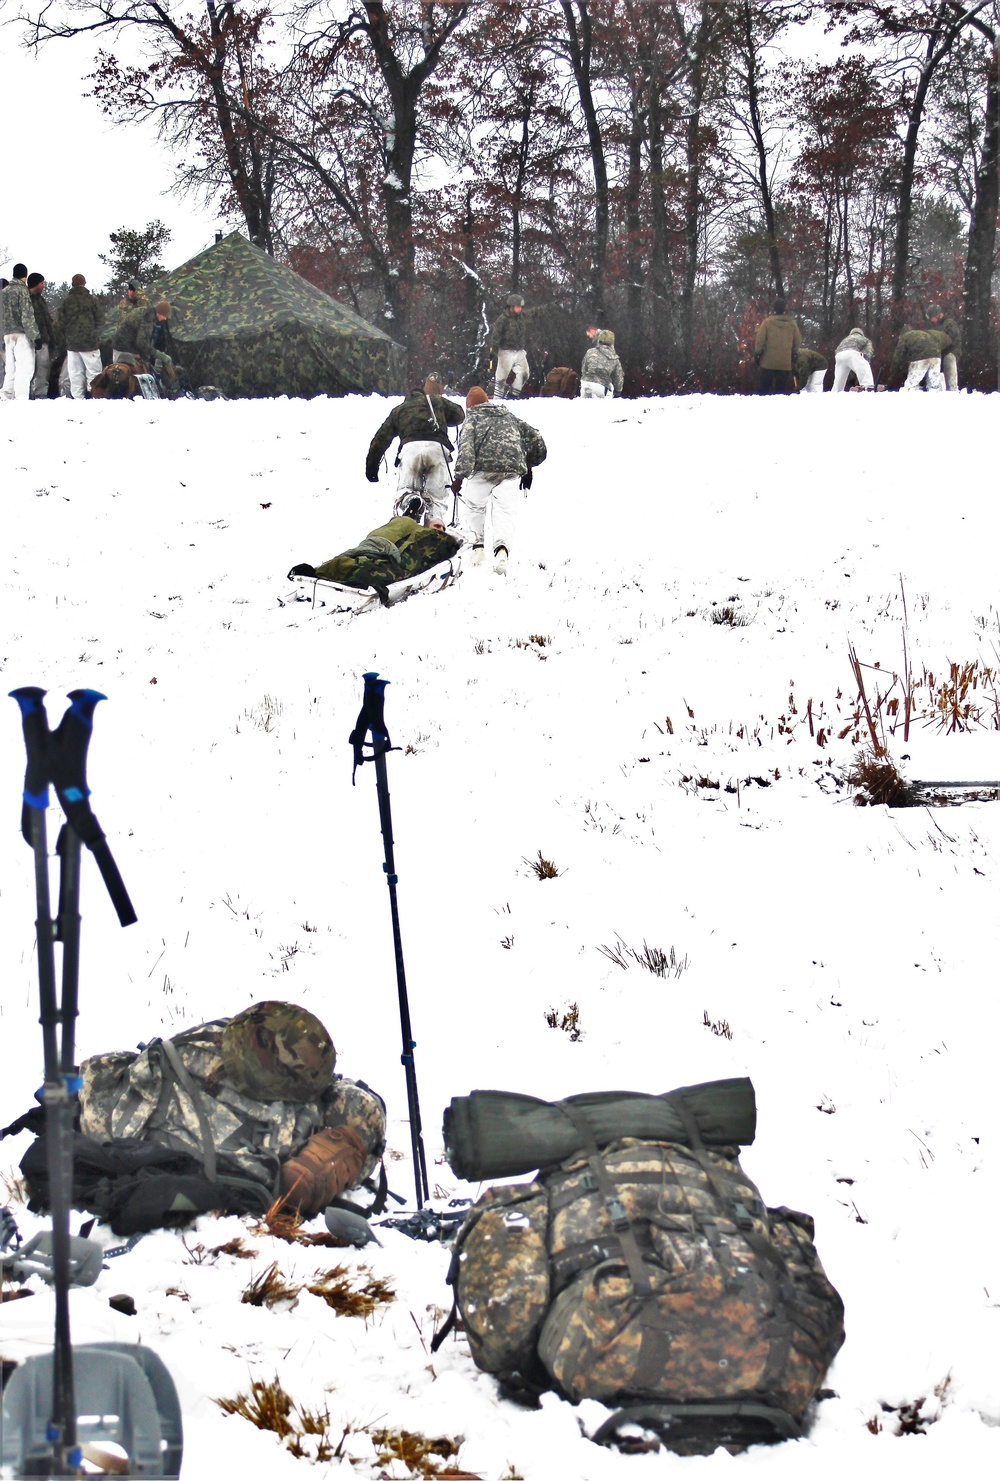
(372, 719)
(59, 759)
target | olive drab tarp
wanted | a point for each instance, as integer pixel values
(243, 322)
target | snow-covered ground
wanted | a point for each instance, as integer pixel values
(587, 707)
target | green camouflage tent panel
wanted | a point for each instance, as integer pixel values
(250, 326)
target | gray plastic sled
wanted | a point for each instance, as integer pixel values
(124, 1398)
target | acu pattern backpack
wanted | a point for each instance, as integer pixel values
(650, 1276)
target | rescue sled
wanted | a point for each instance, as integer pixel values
(338, 598)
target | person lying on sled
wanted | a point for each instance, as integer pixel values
(258, 1091)
(394, 552)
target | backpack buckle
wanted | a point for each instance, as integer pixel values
(616, 1213)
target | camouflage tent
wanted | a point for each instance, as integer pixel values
(250, 326)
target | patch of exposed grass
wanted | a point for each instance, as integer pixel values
(542, 868)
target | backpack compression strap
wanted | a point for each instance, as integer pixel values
(613, 1205)
(194, 1094)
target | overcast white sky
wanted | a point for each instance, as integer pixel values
(70, 176)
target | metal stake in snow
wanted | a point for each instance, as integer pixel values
(372, 719)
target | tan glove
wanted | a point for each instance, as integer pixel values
(329, 1162)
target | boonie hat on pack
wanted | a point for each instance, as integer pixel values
(278, 1051)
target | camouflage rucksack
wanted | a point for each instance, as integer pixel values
(650, 1276)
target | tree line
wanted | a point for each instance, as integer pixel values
(661, 167)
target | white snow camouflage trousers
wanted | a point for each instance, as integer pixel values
(931, 368)
(814, 383)
(507, 361)
(19, 355)
(496, 492)
(423, 470)
(84, 366)
(848, 360)
(590, 390)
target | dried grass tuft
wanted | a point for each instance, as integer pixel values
(568, 1021)
(421, 1454)
(352, 1292)
(269, 1288)
(542, 868)
(878, 783)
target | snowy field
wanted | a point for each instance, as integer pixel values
(634, 701)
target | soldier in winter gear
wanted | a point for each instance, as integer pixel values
(133, 299)
(938, 319)
(20, 330)
(601, 373)
(496, 448)
(920, 351)
(776, 348)
(854, 353)
(145, 333)
(45, 340)
(79, 322)
(421, 423)
(810, 370)
(258, 1090)
(507, 348)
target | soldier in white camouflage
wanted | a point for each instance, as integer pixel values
(258, 1089)
(20, 330)
(601, 373)
(421, 423)
(495, 451)
(506, 347)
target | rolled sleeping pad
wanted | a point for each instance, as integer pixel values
(500, 1134)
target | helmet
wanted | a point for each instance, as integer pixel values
(605, 336)
(934, 311)
(409, 504)
(277, 1051)
(515, 301)
(135, 285)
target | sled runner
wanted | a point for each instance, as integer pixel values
(340, 598)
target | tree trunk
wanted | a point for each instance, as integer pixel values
(692, 194)
(760, 147)
(630, 350)
(580, 40)
(979, 347)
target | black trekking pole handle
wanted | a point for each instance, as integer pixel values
(58, 758)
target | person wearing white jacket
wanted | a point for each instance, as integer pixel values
(854, 353)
